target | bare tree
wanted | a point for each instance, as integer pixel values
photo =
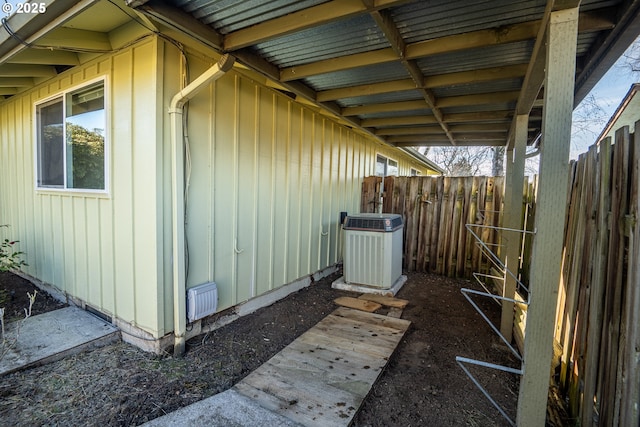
(589, 118)
(498, 161)
(632, 57)
(462, 161)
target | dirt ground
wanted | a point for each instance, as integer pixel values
(120, 385)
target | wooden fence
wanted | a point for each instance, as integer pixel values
(435, 211)
(598, 320)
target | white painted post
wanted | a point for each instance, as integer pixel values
(550, 216)
(512, 219)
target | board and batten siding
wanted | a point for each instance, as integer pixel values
(103, 249)
(269, 178)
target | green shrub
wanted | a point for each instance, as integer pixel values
(10, 258)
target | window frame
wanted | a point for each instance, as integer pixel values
(61, 96)
(386, 165)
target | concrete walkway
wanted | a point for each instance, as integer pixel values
(52, 336)
(302, 369)
(226, 409)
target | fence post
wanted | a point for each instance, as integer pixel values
(512, 218)
(561, 33)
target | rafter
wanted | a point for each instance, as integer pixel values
(16, 82)
(301, 20)
(483, 116)
(490, 127)
(19, 70)
(428, 83)
(385, 107)
(399, 121)
(75, 39)
(476, 76)
(442, 141)
(480, 99)
(364, 90)
(461, 137)
(182, 21)
(590, 21)
(412, 130)
(46, 57)
(357, 60)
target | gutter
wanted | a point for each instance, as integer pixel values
(176, 110)
(422, 159)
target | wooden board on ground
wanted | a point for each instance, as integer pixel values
(358, 304)
(384, 300)
(395, 312)
(322, 378)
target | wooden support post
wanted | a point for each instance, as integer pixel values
(550, 216)
(512, 218)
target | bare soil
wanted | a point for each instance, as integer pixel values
(120, 385)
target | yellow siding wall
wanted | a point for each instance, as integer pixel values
(268, 181)
(102, 249)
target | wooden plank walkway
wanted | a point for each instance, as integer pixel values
(322, 378)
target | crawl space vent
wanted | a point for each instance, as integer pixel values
(202, 301)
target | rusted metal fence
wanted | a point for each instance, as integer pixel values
(598, 316)
(435, 211)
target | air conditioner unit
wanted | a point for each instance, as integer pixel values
(373, 249)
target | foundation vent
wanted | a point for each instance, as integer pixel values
(202, 301)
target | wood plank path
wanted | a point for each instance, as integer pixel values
(322, 377)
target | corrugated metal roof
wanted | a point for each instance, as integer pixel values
(499, 106)
(391, 59)
(358, 76)
(491, 56)
(407, 95)
(419, 21)
(422, 112)
(340, 38)
(494, 86)
(227, 16)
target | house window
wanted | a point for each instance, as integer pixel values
(415, 172)
(386, 167)
(71, 140)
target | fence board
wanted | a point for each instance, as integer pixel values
(435, 212)
(630, 411)
(597, 321)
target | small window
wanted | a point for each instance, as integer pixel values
(392, 167)
(386, 167)
(71, 140)
(381, 165)
(415, 172)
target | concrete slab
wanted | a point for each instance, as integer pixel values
(362, 289)
(226, 409)
(52, 336)
(302, 385)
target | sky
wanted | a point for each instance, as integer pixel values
(608, 94)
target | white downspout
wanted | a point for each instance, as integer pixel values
(176, 110)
